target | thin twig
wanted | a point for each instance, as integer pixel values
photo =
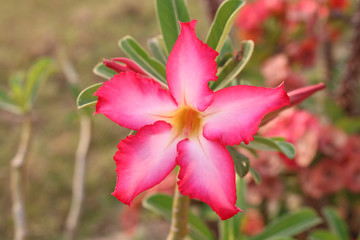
(78, 187)
(17, 180)
(179, 219)
(78, 192)
(350, 83)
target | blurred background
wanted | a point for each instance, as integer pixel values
(300, 44)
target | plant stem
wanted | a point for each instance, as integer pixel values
(78, 193)
(17, 180)
(179, 219)
(350, 83)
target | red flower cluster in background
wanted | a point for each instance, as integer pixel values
(299, 25)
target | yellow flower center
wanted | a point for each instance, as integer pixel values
(187, 121)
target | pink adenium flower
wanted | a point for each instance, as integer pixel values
(187, 125)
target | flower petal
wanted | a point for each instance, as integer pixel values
(144, 160)
(207, 173)
(236, 112)
(133, 101)
(191, 65)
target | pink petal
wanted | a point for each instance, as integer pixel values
(133, 101)
(191, 65)
(236, 112)
(144, 160)
(207, 173)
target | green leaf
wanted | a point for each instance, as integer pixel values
(234, 66)
(222, 23)
(86, 96)
(162, 204)
(281, 238)
(322, 235)
(155, 68)
(169, 13)
(6, 103)
(36, 77)
(17, 89)
(255, 175)
(101, 70)
(336, 225)
(241, 162)
(290, 224)
(157, 48)
(272, 144)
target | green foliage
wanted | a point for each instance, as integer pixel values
(222, 23)
(86, 96)
(169, 13)
(255, 175)
(157, 48)
(162, 204)
(322, 235)
(234, 66)
(337, 226)
(25, 88)
(102, 71)
(272, 144)
(289, 225)
(241, 162)
(137, 53)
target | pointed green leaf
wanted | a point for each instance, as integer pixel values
(241, 162)
(290, 224)
(336, 224)
(322, 235)
(36, 77)
(234, 66)
(162, 204)
(102, 71)
(7, 104)
(272, 144)
(155, 68)
(255, 175)
(222, 23)
(169, 13)
(157, 47)
(86, 96)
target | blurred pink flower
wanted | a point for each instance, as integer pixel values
(333, 143)
(277, 70)
(352, 173)
(326, 177)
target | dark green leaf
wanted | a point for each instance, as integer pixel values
(157, 48)
(36, 77)
(155, 68)
(290, 224)
(255, 175)
(101, 70)
(336, 225)
(241, 162)
(170, 12)
(86, 96)
(222, 23)
(322, 235)
(162, 204)
(234, 66)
